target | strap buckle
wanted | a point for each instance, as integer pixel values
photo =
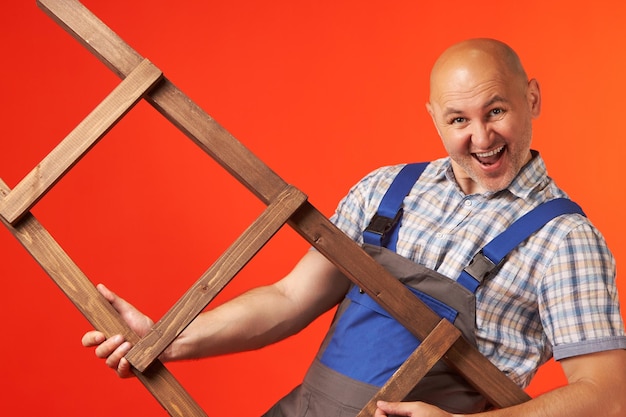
(381, 226)
(480, 267)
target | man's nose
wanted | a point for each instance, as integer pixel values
(481, 135)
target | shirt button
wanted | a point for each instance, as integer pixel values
(439, 235)
(468, 203)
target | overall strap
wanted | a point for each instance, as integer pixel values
(383, 227)
(493, 254)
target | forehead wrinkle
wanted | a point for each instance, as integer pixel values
(495, 99)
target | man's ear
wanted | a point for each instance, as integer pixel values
(431, 111)
(429, 108)
(533, 95)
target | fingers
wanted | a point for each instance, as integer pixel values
(117, 362)
(124, 369)
(409, 409)
(112, 350)
(380, 413)
(93, 338)
(392, 408)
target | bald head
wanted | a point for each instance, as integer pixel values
(475, 56)
(482, 105)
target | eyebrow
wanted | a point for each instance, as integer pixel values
(495, 99)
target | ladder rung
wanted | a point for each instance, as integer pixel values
(216, 278)
(71, 149)
(428, 353)
(96, 309)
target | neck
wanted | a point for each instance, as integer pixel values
(469, 186)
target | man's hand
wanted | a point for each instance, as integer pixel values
(409, 409)
(115, 348)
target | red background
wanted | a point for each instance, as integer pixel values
(322, 92)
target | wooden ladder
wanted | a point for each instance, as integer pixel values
(285, 204)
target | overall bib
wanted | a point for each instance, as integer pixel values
(365, 345)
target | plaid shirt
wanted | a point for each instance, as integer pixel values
(555, 294)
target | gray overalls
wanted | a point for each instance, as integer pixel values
(365, 345)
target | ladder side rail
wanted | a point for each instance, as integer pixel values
(96, 309)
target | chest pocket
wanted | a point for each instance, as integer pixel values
(368, 344)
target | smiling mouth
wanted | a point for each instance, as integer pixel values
(490, 157)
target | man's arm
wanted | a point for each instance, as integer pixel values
(255, 319)
(596, 387)
(266, 314)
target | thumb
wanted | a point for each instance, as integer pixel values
(107, 293)
(119, 304)
(139, 322)
(389, 408)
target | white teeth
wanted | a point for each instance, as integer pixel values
(490, 153)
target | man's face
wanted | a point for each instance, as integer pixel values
(484, 117)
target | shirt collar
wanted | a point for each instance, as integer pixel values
(532, 176)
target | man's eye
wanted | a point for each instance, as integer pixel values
(457, 120)
(496, 112)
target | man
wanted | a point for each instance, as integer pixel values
(555, 294)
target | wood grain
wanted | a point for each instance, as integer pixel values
(400, 302)
(216, 278)
(428, 353)
(71, 149)
(268, 186)
(96, 309)
(171, 102)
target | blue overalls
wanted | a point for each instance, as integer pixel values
(365, 345)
